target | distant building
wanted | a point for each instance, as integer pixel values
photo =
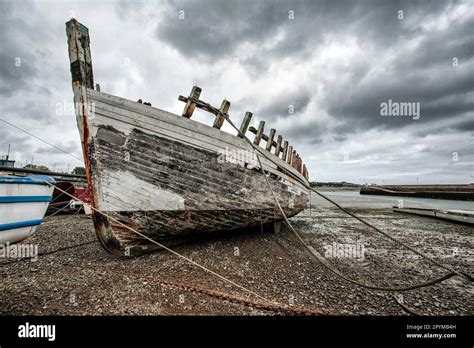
(6, 162)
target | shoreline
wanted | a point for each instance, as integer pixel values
(449, 192)
(86, 280)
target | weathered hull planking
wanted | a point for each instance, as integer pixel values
(169, 178)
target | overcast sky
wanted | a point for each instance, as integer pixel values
(331, 62)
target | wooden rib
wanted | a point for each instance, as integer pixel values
(219, 121)
(245, 124)
(270, 141)
(190, 106)
(289, 155)
(285, 150)
(293, 159)
(278, 146)
(258, 136)
(264, 136)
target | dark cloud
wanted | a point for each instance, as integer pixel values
(216, 28)
(252, 53)
(288, 104)
(16, 61)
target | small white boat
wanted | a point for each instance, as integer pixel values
(23, 203)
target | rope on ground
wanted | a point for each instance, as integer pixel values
(267, 302)
(404, 306)
(222, 295)
(436, 262)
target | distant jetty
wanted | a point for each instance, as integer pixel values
(453, 192)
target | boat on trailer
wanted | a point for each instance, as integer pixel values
(23, 203)
(170, 177)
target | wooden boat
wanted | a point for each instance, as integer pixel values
(169, 177)
(23, 203)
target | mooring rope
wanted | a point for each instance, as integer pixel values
(273, 303)
(60, 210)
(269, 303)
(312, 251)
(320, 258)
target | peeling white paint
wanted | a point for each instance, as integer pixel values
(121, 190)
(291, 203)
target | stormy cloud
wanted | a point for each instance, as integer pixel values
(316, 71)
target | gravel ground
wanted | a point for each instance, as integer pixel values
(86, 280)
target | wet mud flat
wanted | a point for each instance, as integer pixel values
(74, 276)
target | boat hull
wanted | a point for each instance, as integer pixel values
(23, 203)
(170, 178)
